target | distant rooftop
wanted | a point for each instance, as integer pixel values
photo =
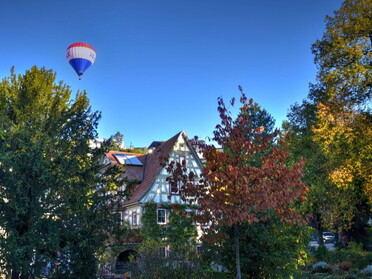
(96, 143)
(155, 144)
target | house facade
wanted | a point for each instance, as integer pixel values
(150, 176)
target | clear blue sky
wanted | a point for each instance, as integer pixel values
(161, 64)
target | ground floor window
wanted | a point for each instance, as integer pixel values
(134, 218)
(164, 251)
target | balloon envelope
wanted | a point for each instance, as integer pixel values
(80, 56)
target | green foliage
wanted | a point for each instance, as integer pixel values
(177, 237)
(116, 143)
(50, 209)
(342, 129)
(321, 267)
(259, 117)
(322, 253)
(150, 229)
(180, 233)
(152, 264)
(354, 254)
(332, 127)
(135, 150)
(301, 144)
(269, 249)
(348, 275)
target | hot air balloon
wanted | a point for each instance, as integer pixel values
(80, 56)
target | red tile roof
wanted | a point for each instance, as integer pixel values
(151, 166)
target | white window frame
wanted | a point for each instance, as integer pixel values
(165, 216)
(134, 218)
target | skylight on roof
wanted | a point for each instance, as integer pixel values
(127, 159)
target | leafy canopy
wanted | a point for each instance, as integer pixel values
(50, 207)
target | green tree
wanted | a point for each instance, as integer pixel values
(259, 117)
(269, 249)
(339, 127)
(117, 142)
(53, 206)
(301, 119)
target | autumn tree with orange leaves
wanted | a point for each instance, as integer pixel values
(332, 127)
(243, 183)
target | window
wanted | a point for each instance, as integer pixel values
(161, 216)
(164, 251)
(134, 218)
(175, 187)
(183, 159)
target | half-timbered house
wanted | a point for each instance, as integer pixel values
(150, 176)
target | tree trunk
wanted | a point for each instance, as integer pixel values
(319, 229)
(320, 237)
(18, 275)
(237, 252)
(344, 237)
(15, 275)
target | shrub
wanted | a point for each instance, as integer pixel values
(155, 262)
(354, 254)
(367, 270)
(321, 267)
(321, 253)
(345, 266)
(336, 268)
(269, 249)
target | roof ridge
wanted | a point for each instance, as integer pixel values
(125, 152)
